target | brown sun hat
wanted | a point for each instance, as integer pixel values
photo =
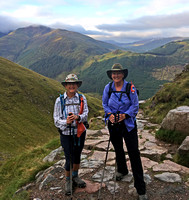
(117, 67)
(71, 78)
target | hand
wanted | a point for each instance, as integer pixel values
(112, 118)
(121, 117)
(70, 118)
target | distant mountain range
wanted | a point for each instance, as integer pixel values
(55, 53)
(146, 45)
(148, 71)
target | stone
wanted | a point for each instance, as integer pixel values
(85, 151)
(112, 187)
(52, 155)
(128, 178)
(55, 188)
(184, 147)
(91, 143)
(155, 153)
(103, 146)
(100, 155)
(170, 166)
(47, 180)
(90, 188)
(177, 120)
(82, 172)
(108, 174)
(147, 163)
(169, 177)
(147, 178)
(91, 163)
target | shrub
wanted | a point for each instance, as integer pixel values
(174, 137)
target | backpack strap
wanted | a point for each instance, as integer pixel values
(81, 103)
(110, 89)
(62, 101)
(128, 88)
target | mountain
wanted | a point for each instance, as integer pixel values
(170, 96)
(26, 108)
(55, 53)
(2, 34)
(146, 45)
(50, 52)
(148, 71)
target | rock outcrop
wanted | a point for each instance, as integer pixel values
(177, 120)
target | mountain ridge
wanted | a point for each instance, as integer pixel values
(40, 48)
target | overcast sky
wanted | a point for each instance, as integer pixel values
(119, 20)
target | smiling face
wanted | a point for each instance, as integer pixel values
(71, 88)
(117, 77)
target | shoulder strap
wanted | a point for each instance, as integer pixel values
(62, 103)
(110, 89)
(128, 87)
(81, 103)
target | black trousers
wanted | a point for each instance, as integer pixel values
(118, 132)
(72, 148)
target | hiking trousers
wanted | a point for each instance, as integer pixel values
(75, 148)
(118, 133)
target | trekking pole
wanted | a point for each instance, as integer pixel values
(71, 151)
(99, 193)
(115, 180)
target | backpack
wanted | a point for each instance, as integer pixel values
(127, 91)
(81, 103)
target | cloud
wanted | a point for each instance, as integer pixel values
(8, 24)
(75, 28)
(29, 11)
(150, 22)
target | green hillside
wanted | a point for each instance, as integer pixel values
(148, 71)
(27, 129)
(170, 96)
(140, 68)
(26, 108)
(50, 52)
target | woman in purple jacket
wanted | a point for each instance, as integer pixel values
(121, 110)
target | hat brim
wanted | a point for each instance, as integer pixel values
(77, 82)
(124, 71)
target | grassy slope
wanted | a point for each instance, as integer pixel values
(27, 130)
(170, 96)
(26, 108)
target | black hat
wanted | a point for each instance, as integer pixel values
(117, 67)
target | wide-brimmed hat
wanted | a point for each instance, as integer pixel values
(117, 67)
(71, 78)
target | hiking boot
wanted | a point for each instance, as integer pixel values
(68, 188)
(142, 197)
(119, 176)
(77, 181)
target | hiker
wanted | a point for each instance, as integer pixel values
(120, 111)
(67, 119)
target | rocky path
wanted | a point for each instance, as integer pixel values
(165, 179)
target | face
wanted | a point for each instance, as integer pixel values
(71, 87)
(117, 76)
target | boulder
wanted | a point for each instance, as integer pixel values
(177, 120)
(184, 147)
